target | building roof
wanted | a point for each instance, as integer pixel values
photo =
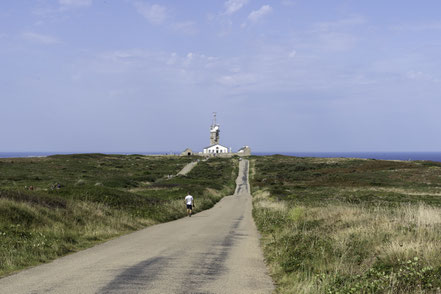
(215, 145)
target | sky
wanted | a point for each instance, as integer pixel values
(282, 75)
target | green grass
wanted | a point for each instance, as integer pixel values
(101, 196)
(349, 225)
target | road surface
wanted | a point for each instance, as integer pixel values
(215, 251)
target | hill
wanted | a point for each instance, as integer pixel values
(55, 205)
(335, 225)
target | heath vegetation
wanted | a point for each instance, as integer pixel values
(349, 225)
(55, 205)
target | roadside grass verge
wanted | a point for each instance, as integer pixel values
(349, 226)
(100, 197)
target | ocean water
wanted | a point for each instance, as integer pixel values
(432, 156)
(25, 154)
(42, 154)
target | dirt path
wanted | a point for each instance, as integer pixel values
(187, 168)
(215, 251)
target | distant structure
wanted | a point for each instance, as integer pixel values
(187, 152)
(215, 147)
(244, 151)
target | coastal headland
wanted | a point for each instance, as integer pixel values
(327, 225)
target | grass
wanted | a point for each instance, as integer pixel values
(99, 197)
(349, 225)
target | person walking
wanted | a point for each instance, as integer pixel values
(189, 201)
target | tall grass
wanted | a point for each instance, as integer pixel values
(31, 234)
(41, 224)
(351, 237)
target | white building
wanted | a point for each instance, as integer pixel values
(244, 151)
(215, 149)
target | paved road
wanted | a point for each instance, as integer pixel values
(215, 251)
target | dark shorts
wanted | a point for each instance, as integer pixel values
(189, 206)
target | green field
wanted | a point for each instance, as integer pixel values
(334, 225)
(82, 199)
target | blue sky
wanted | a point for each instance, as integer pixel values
(286, 76)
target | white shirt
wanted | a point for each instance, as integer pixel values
(188, 200)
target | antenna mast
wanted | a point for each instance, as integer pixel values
(214, 118)
(214, 131)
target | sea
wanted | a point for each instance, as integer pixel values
(431, 156)
(44, 154)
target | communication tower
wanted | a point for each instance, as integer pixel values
(214, 131)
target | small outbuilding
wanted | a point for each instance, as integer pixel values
(187, 152)
(244, 151)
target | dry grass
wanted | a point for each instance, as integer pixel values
(358, 238)
(263, 201)
(435, 191)
(349, 225)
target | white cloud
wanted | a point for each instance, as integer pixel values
(292, 54)
(188, 59)
(339, 24)
(338, 35)
(74, 3)
(256, 15)
(196, 60)
(335, 41)
(128, 57)
(172, 59)
(186, 27)
(226, 26)
(232, 6)
(40, 38)
(236, 80)
(419, 75)
(155, 14)
(158, 14)
(47, 10)
(138, 59)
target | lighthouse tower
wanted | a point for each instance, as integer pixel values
(215, 148)
(214, 131)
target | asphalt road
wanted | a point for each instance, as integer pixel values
(215, 251)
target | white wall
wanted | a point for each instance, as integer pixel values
(216, 149)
